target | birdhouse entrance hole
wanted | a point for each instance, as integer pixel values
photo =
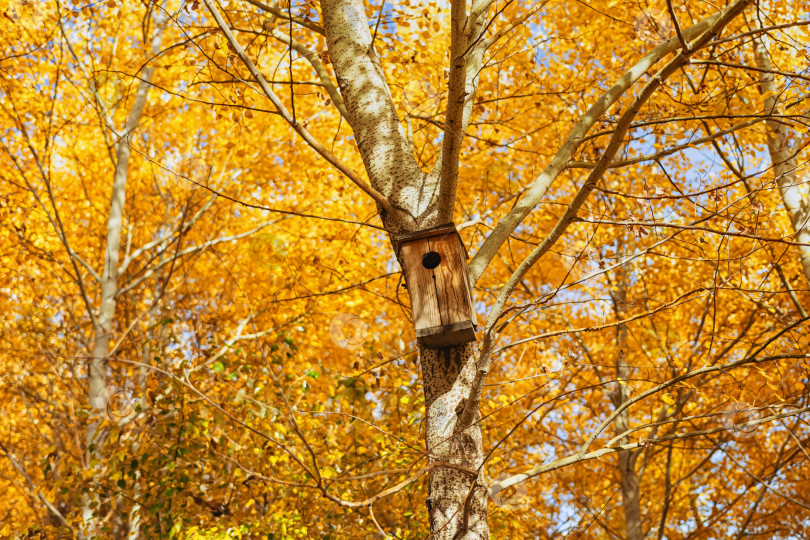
(434, 262)
(431, 260)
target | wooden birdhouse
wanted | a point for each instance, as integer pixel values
(435, 266)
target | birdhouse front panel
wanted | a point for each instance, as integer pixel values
(435, 265)
(421, 285)
(453, 284)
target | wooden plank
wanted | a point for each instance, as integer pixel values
(452, 283)
(421, 286)
(443, 230)
(426, 233)
(447, 336)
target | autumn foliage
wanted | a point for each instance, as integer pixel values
(259, 370)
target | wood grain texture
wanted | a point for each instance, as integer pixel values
(441, 298)
(421, 287)
(450, 278)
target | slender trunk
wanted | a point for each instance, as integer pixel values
(98, 366)
(795, 194)
(106, 318)
(134, 530)
(634, 529)
(457, 500)
(109, 275)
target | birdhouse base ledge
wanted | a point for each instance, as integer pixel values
(448, 335)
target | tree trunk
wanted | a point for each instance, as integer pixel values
(105, 322)
(634, 529)
(457, 495)
(795, 194)
(630, 491)
(457, 500)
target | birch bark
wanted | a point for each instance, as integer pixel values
(795, 193)
(457, 495)
(105, 322)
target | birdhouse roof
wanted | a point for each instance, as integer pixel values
(441, 230)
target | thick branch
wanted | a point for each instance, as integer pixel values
(468, 47)
(571, 212)
(538, 188)
(454, 124)
(381, 140)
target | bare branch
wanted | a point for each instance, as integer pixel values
(315, 27)
(284, 113)
(676, 24)
(51, 508)
(317, 65)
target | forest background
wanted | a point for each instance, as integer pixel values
(205, 332)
